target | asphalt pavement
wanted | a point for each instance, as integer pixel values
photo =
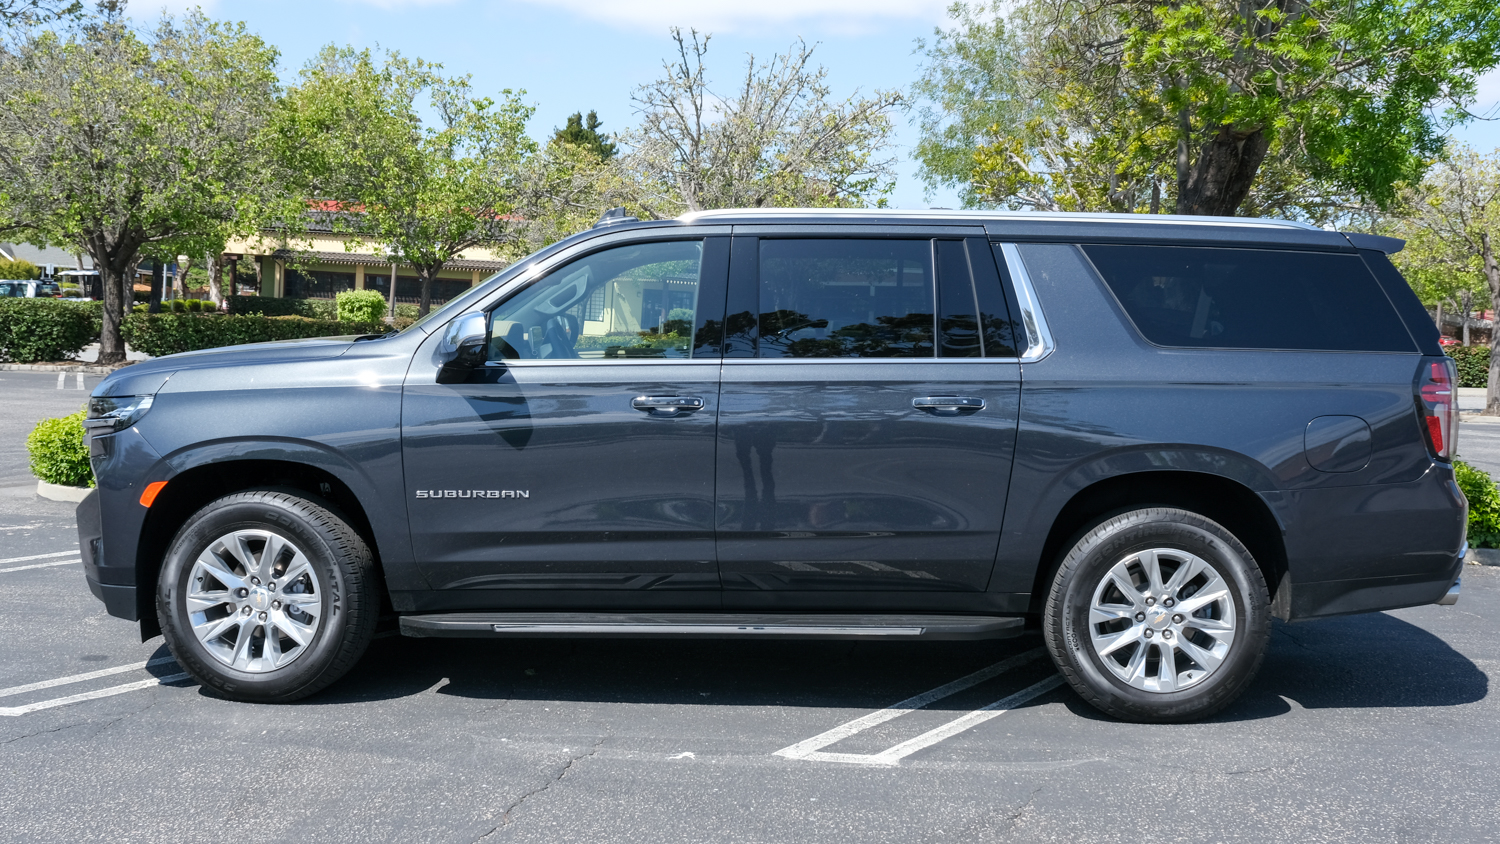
(1370, 728)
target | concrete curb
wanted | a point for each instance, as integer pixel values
(58, 492)
(1483, 557)
(84, 368)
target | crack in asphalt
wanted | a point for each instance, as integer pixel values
(562, 772)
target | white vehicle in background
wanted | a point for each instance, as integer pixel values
(18, 289)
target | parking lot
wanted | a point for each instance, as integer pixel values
(1369, 728)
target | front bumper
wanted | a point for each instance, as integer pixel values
(115, 586)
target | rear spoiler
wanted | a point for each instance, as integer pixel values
(1388, 245)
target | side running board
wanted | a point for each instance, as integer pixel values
(711, 625)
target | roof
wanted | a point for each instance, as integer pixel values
(43, 255)
(1055, 227)
(353, 258)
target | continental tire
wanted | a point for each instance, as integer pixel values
(1158, 615)
(267, 597)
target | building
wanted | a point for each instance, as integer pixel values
(319, 265)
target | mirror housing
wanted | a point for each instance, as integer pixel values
(463, 349)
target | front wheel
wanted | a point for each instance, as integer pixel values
(267, 597)
(1158, 615)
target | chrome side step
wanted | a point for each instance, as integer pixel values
(711, 625)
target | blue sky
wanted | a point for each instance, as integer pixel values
(577, 55)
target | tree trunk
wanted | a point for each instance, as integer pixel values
(1218, 182)
(1492, 275)
(391, 316)
(111, 341)
(158, 281)
(215, 292)
(426, 303)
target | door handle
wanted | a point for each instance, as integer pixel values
(666, 406)
(949, 405)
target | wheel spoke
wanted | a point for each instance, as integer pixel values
(1166, 668)
(210, 630)
(1202, 599)
(214, 567)
(1208, 660)
(1119, 577)
(268, 555)
(1135, 669)
(1208, 625)
(1152, 565)
(271, 650)
(1110, 612)
(1185, 572)
(296, 630)
(200, 601)
(242, 644)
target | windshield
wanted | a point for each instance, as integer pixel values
(468, 297)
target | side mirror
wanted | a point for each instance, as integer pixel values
(463, 348)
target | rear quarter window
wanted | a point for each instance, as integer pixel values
(1217, 298)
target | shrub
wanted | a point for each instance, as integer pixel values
(69, 290)
(168, 334)
(58, 452)
(19, 270)
(45, 329)
(360, 306)
(271, 306)
(1484, 505)
(1473, 364)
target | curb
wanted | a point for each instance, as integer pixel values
(59, 492)
(83, 368)
(1483, 557)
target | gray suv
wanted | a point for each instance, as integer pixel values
(1147, 435)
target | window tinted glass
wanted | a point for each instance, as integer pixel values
(636, 301)
(1251, 298)
(958, 320)
(846, 298)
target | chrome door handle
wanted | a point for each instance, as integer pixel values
(949, 405)
(666, 405)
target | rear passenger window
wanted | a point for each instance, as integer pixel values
(846, 299)
(1251, 298)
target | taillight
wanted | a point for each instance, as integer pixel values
(1437, 402)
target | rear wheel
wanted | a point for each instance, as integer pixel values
(1158, 615)
(265, 596)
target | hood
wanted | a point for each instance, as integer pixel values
(147, 376)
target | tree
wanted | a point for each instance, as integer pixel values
(1443, 277)
(1209, 101)
(1457, 209)
(120, 142)
(32, 12)
(354, 126)
(778, 139)
(19, 270)
(581, 132)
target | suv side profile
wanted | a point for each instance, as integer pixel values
(1150, 434)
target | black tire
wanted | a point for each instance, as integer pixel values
(1066, 619)
(350, 600)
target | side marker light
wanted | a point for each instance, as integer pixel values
(149, 494)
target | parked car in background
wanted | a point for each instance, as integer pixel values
(1446, 341)
(1138, 431)
(25, 289)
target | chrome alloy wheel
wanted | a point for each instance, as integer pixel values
(254, 600)
(1162, 620)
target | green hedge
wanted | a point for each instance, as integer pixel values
(1473, 364)
(360, 306)
(167, 334)
(1484, 505)
(271, 306)
(34, 330)
(58, 452)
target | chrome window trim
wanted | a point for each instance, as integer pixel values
(1039, 342)
(887, 361)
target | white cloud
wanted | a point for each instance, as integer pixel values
(729, 15)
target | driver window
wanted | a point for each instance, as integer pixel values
(635, 301)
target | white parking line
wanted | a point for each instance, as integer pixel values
(80, 379)
(94, 695)
(43, 565)
(72, 553)
(812, 749)
(87, 675)
(109, 691)
(61, 378)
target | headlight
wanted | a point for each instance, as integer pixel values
(116, 413)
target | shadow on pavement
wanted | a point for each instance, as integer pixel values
(1364, 661)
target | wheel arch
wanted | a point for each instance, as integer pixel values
(1225, 500)
(189, 490)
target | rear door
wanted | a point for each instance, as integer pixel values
(582, 456)
(867, 417)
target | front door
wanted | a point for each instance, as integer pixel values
(582, 456)
(867, 418)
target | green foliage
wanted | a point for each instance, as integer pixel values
(19, 270)
(1473, 364)
(581, 132)
(58, 452)
(1484, 505)
(34, 330)
(360, 306)
(168, 334)
(325, 309)
(359, 125)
